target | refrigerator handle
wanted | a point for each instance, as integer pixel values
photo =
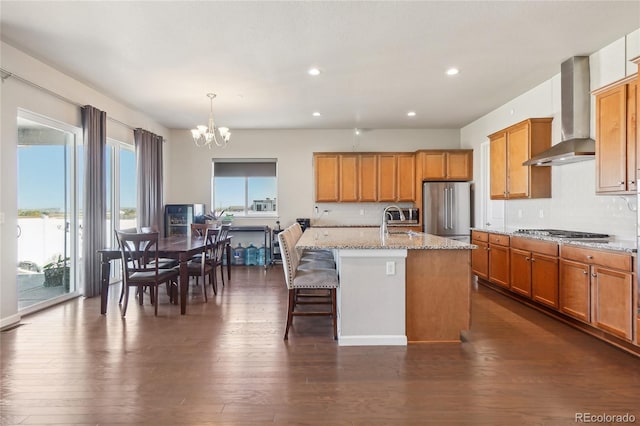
(446, 207)
(451, 224)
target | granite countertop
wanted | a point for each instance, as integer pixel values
(369, 238)
(611, 244)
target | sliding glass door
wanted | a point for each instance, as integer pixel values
(49, 210)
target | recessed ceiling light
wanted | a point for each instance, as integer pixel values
(357, 132)
(411, 113)
(314, 71)
(452, 71)
(316, 114)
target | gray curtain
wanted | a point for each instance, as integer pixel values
(94, 131)
(149, 178)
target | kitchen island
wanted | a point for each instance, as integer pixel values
(399, 288)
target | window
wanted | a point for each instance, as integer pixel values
(121, 187)
(245, 187)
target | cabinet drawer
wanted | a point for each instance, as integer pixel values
(537, 246)
(480, 236)
(499, 239)
(597, 257)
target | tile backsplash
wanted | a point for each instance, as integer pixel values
(328, 214)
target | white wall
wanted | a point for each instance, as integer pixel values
(15, 94)
(573, 204)
(188, 178)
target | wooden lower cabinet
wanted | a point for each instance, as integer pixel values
(499, 260)
(575, 292)
(544, 280)
(612, 301)
(535, 275)
(521, 272)
(480, 256)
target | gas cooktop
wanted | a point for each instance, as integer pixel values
(558, 233)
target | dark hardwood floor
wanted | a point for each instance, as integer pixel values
(225, 363)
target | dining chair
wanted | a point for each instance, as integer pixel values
(140, 266)
(311, 286)
(222, 244)
(203, 265)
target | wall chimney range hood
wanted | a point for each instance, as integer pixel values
(576, 144)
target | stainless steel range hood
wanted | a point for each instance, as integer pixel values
(576, 144)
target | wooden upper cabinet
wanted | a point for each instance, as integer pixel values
(509, 148)
(406, 164)
(617, 138)
(498, 165)
(454, 165)
(327, 176)
(368, 177)
(611, 140)
(387, 177)
(365, 177)
(349, 177)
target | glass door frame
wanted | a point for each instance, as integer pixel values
(73, 215)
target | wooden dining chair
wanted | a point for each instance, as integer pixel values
(203, 265)
(222, 244)
(140, 265)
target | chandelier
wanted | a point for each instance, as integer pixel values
(206, 135)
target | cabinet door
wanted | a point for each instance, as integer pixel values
(544, 279)
(349, 177)
(387, 177)
(434, 165)
(632, 136)
(521, 272)
(575, 294)
(518, 153)
(611, 135)
(460, 165)
(406, 177)
(613, 297)
(327, 171)
(368, 177)
(499, 265)
(498, 171)
(480, 259)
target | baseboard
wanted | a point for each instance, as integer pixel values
(10, 321)
(372, 340)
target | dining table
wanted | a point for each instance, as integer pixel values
(179, 247)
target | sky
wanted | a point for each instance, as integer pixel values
(41, 177)
(230, 191)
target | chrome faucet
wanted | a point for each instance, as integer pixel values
(384, 231)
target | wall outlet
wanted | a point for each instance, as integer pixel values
(519, 213)
(541, 213)
(391, 267)
(361, 212)
(326, 212)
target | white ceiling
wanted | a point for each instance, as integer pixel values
(379, 60)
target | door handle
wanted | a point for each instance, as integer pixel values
(451, 224)
(446, 208)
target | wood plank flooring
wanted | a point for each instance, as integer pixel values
(225, 363)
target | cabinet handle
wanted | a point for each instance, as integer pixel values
(527, 259)
(594, 274)
(532, 259)
(488, 248)
(632, 182)
(589, 257)
(585, 272)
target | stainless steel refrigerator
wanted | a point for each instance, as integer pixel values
(446, 208)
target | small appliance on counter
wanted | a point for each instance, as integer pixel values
(304, 222)
(411, 216)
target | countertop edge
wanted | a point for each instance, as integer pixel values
(610, 245)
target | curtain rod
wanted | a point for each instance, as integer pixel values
(7, 74)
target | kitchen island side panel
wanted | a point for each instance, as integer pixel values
(438, 295)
